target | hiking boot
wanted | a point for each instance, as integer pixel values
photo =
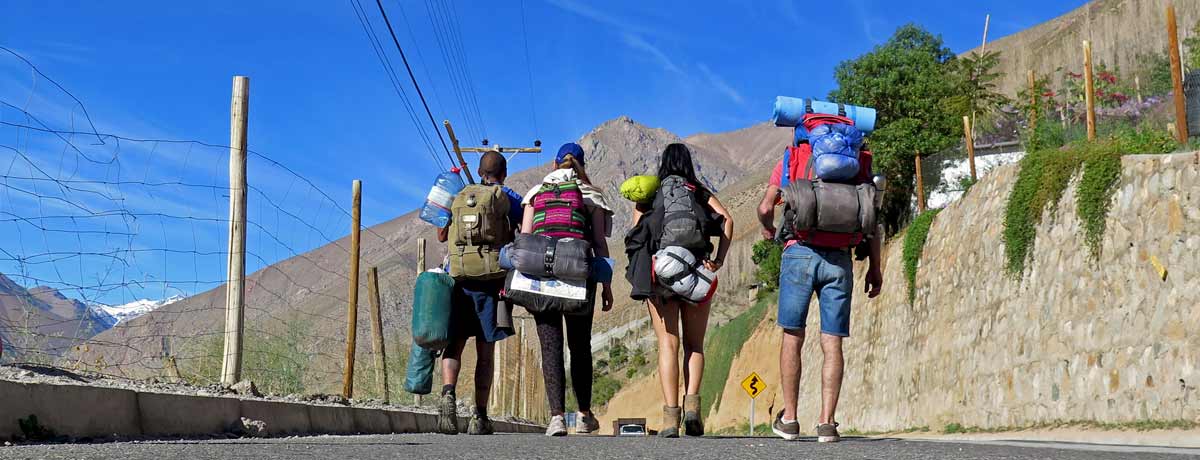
(557, 426)
(448, 415)
(480, 425)
(586, 423)
(670, 427)
(827, 432)
(789, 430)
(692, 424)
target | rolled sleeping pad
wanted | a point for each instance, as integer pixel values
(789, 111)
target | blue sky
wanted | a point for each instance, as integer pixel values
(322, 105)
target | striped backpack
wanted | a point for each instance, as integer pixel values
(559, 211)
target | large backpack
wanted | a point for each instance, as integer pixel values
(821, 213)
(835, 143)
(559, 212)
(683, 218)
(479, 227)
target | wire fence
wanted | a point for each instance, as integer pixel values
(96, 227)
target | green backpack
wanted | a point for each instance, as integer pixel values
(479, 227)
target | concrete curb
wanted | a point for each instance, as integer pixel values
(80, 411)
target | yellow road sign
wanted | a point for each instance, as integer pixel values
(754, 385)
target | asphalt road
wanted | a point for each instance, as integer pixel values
(431, 447)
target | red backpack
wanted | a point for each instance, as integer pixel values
(796, 165)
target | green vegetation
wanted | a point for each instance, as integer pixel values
(1192, 44)
(1137, 425)
(914, 245)
(276, 362)
(743, 429)
(722, 344)
(921, 92)
(1045, 174)
(768, 255)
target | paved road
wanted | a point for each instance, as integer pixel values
(431, 447)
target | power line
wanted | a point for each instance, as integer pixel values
(457, 34)
(529, 72)
(453, 68)
(413, 77)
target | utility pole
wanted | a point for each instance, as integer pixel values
(537, 148)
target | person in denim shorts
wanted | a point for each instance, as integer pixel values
(814, 263)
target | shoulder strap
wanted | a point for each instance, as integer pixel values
(786, 178)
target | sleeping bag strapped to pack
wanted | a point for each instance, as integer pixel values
(543, 256)
(821, 213)
(836, 144)
(539, 295)
(431, 310)
(558, 210)
(677, 269)
(682, 216)
(640, 189)
(478, 229)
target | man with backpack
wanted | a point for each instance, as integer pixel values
(484, 218)
(825, 182)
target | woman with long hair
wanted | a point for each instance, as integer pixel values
(596, 224)
(668, 311)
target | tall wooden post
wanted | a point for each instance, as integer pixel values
(523, 366)
(1137, 87)
(1181, 127)
(381, 375)
(421, 269)
(920, 187)
(235, 280)
(1089, 87)
(458, 151)
(970, 147)
(352, 296)
(1033, 100)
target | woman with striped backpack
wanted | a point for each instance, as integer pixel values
(567, 206)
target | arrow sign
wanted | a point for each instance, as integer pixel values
(754, 385)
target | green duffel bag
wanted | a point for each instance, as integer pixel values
(418, 378)
(431, 310)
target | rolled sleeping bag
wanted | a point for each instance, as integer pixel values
(431, 310)
(602, 267)
(789, 111)
(641, 189)
(677, 269)
(543, 256)
(539, 295)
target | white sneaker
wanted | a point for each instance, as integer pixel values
(557, 426)
(586, 424)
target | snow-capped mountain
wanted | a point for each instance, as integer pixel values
(116, 314)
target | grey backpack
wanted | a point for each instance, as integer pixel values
(682, 217)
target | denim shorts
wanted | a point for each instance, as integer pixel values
(827, 273)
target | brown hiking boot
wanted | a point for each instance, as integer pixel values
(827, 432)
(789, 431)
(670, 427)
(692, 424)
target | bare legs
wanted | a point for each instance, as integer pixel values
(831, 373)
(452, 363)
(665, 317)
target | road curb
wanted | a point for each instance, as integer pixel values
(81, 411)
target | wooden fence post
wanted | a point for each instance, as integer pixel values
(1181, 127)
(235, 280)
(1089, 87)
(421, 269)
(920, 187)
(970, 146)
(352, 297)
(381, 375)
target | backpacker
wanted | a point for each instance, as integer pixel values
(678, 269)
(682, 216)
(835, 143)
(558, 211)
(478, 229)
(543, 256)
(825, 214)
(539, 295)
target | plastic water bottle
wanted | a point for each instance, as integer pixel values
(437, 204)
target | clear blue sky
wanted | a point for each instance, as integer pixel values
(322, 105)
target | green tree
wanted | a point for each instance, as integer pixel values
(910, 80)
(978, 83)
(1192, 45)
(768, 256)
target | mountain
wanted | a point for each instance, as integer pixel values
(115, 314)
(305, 296)
(1120, 31)
(42, 321)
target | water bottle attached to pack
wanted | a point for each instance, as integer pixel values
(437, 204)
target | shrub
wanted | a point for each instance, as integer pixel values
(914, 245)
(768, 256)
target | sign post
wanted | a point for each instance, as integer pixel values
(754, 386)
